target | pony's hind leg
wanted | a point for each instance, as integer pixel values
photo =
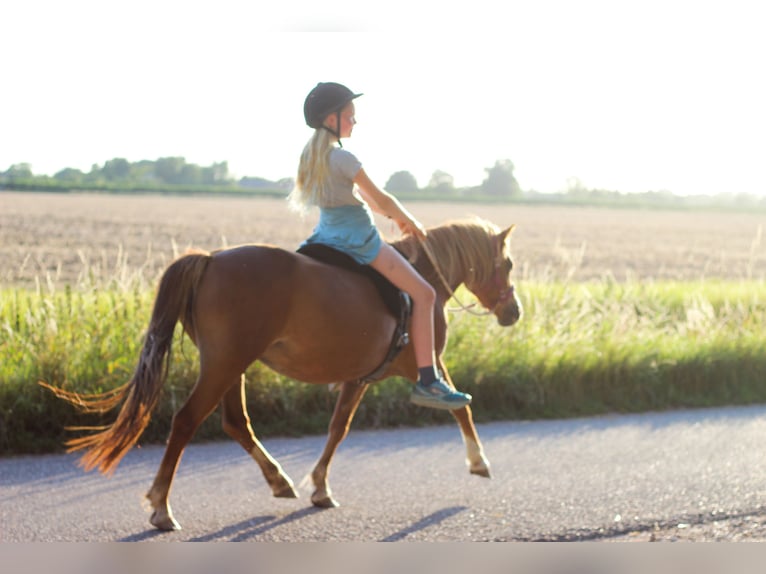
(236, 423)
(350, 396)
(205, 395)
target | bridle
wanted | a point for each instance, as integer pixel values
(504, 296)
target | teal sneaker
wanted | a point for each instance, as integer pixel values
(439, 395)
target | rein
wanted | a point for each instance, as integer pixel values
(466, 308)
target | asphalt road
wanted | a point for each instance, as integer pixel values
(585, 479)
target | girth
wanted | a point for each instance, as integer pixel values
(398, 303)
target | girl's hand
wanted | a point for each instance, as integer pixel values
(411, 226)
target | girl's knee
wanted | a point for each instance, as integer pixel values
(425, 294)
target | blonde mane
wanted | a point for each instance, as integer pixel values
(463, 249)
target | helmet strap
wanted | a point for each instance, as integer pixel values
(332, 131)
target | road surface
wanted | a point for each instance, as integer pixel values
(606, 478)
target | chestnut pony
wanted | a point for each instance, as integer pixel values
(307, 320)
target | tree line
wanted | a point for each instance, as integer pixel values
(176, 171)
(175, 174)
(165, 171)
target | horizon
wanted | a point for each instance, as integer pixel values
(657, 97)
(237, 181)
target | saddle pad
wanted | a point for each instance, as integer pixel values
(330, 256)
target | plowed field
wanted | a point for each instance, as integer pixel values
(65, 238)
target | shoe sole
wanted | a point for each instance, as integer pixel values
(437, 404)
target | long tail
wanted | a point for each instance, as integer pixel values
(139, 396)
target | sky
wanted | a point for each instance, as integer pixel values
(620, 95)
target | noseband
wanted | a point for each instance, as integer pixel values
(505, 295)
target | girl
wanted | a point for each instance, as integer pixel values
(326, 178)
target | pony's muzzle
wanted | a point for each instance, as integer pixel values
(510, 310)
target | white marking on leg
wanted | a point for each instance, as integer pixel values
(474, 454)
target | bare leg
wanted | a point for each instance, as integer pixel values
(398, 270)
(429, 391)
(350, 396)
(236, 423)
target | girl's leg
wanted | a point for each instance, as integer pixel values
(398, 270)
(432, 391)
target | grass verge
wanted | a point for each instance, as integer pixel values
(580, 349)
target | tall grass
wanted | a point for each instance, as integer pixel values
(592, 348)
(580, 349)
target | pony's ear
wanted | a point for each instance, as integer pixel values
(506, 233)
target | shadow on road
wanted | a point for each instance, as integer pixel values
(424, 523)
(254, 526)
(142, 536)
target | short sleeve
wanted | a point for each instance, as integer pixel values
(346, 163)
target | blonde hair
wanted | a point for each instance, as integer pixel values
(311, 184)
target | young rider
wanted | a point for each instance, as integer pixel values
(333, 179)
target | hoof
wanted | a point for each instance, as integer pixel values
(288, 491)
(166, 523)
(481, 472)
(325, 502)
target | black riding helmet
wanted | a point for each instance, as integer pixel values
(324, 99)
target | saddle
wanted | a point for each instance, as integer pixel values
(398, 303)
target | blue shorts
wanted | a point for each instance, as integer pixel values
(350, 229)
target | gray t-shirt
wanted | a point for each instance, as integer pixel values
(343, 169)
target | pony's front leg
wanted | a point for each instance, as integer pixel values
(350, 396)
(475, 459)
(474, 451)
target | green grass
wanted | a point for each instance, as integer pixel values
(586, 349)
(580, 349)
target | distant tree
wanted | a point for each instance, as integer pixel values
(442, 182)
(401, 181)
(94, 176)
(69, 175)
(168, 169)
(191, 174)
(19, 171)
(500, 180)
(143, 171)
(217, 173)
(116, 169)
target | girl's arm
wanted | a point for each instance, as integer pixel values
(386, 204)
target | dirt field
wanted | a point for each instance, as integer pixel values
(70, 236)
